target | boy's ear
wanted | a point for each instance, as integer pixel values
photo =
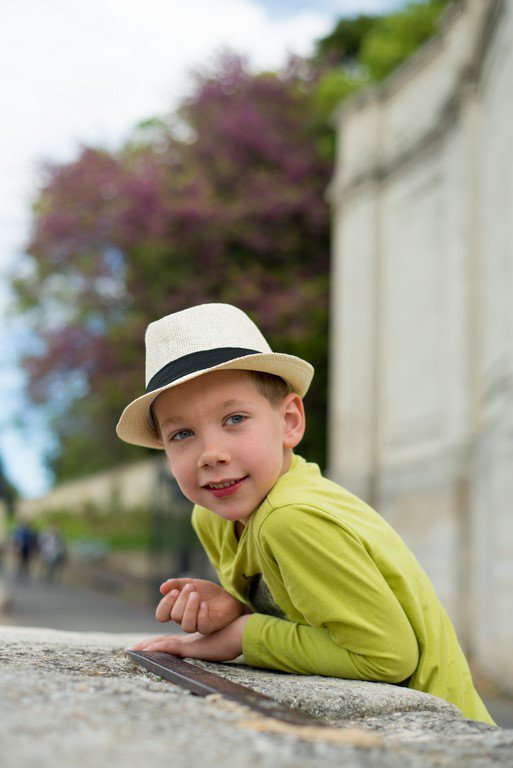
(294, 420)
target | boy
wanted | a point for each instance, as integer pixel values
(313, 580)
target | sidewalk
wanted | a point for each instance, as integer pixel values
(36, 603)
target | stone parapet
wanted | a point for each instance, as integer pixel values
(74, 699)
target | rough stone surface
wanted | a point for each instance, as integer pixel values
(331, 698)
(75, 699)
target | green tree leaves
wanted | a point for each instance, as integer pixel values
(221, 201)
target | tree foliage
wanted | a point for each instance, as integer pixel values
(393, 38)
(228, 206)
(221, 201)
(342, 46)
(364, 49)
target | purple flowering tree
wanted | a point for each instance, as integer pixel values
(223, 201)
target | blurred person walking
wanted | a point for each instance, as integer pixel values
(53, 552)
(26, 546)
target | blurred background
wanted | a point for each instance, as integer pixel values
(340, 170)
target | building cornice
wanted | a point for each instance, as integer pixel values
(448, 113)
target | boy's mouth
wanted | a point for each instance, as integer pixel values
(224, 488)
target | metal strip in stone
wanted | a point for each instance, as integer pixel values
(203, 683)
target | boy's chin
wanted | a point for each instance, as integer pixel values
(235, 514)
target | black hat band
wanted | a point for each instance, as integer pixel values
(196, 361)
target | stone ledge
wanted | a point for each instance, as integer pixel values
(75, 699)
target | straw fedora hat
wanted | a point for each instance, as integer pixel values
(188, 344)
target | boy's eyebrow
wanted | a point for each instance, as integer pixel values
(172, 420)
(231, 402)
(221, 407)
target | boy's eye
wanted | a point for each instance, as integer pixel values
(237, 418)
(181, 435)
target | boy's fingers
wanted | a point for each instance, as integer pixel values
(164, 608)
(180, 603)
(178, 645)
(174, 584)
(170, 584)
(163, 644)
(143, 644)
(204, 621)
(190, 614)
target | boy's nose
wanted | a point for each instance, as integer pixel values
(212, 455)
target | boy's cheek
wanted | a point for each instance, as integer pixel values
(177, 470)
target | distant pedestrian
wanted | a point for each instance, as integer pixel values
(26, 546)
(53, 552)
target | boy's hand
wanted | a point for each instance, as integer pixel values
(224, 645)
(197, 605)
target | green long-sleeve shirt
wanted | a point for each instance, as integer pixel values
(336, 592)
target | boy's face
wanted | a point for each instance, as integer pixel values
(225, 443)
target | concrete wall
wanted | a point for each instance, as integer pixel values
(73, 699)
(124, 487)
(422, 335)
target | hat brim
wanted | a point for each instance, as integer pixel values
(133, 426)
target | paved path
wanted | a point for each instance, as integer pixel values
(35, 603)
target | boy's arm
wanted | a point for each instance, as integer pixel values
(273, 643)
(354, 624)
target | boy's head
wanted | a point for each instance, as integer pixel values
(191, 343)
(225, 441)
(225, 408)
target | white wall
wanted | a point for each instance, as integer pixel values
(421, 421)
(126, 487)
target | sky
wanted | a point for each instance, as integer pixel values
(87, 72)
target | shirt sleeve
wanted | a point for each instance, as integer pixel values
(354, 624)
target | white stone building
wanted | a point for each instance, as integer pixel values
(421, 421)
(125, 487)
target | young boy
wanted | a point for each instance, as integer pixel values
(313, 580)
